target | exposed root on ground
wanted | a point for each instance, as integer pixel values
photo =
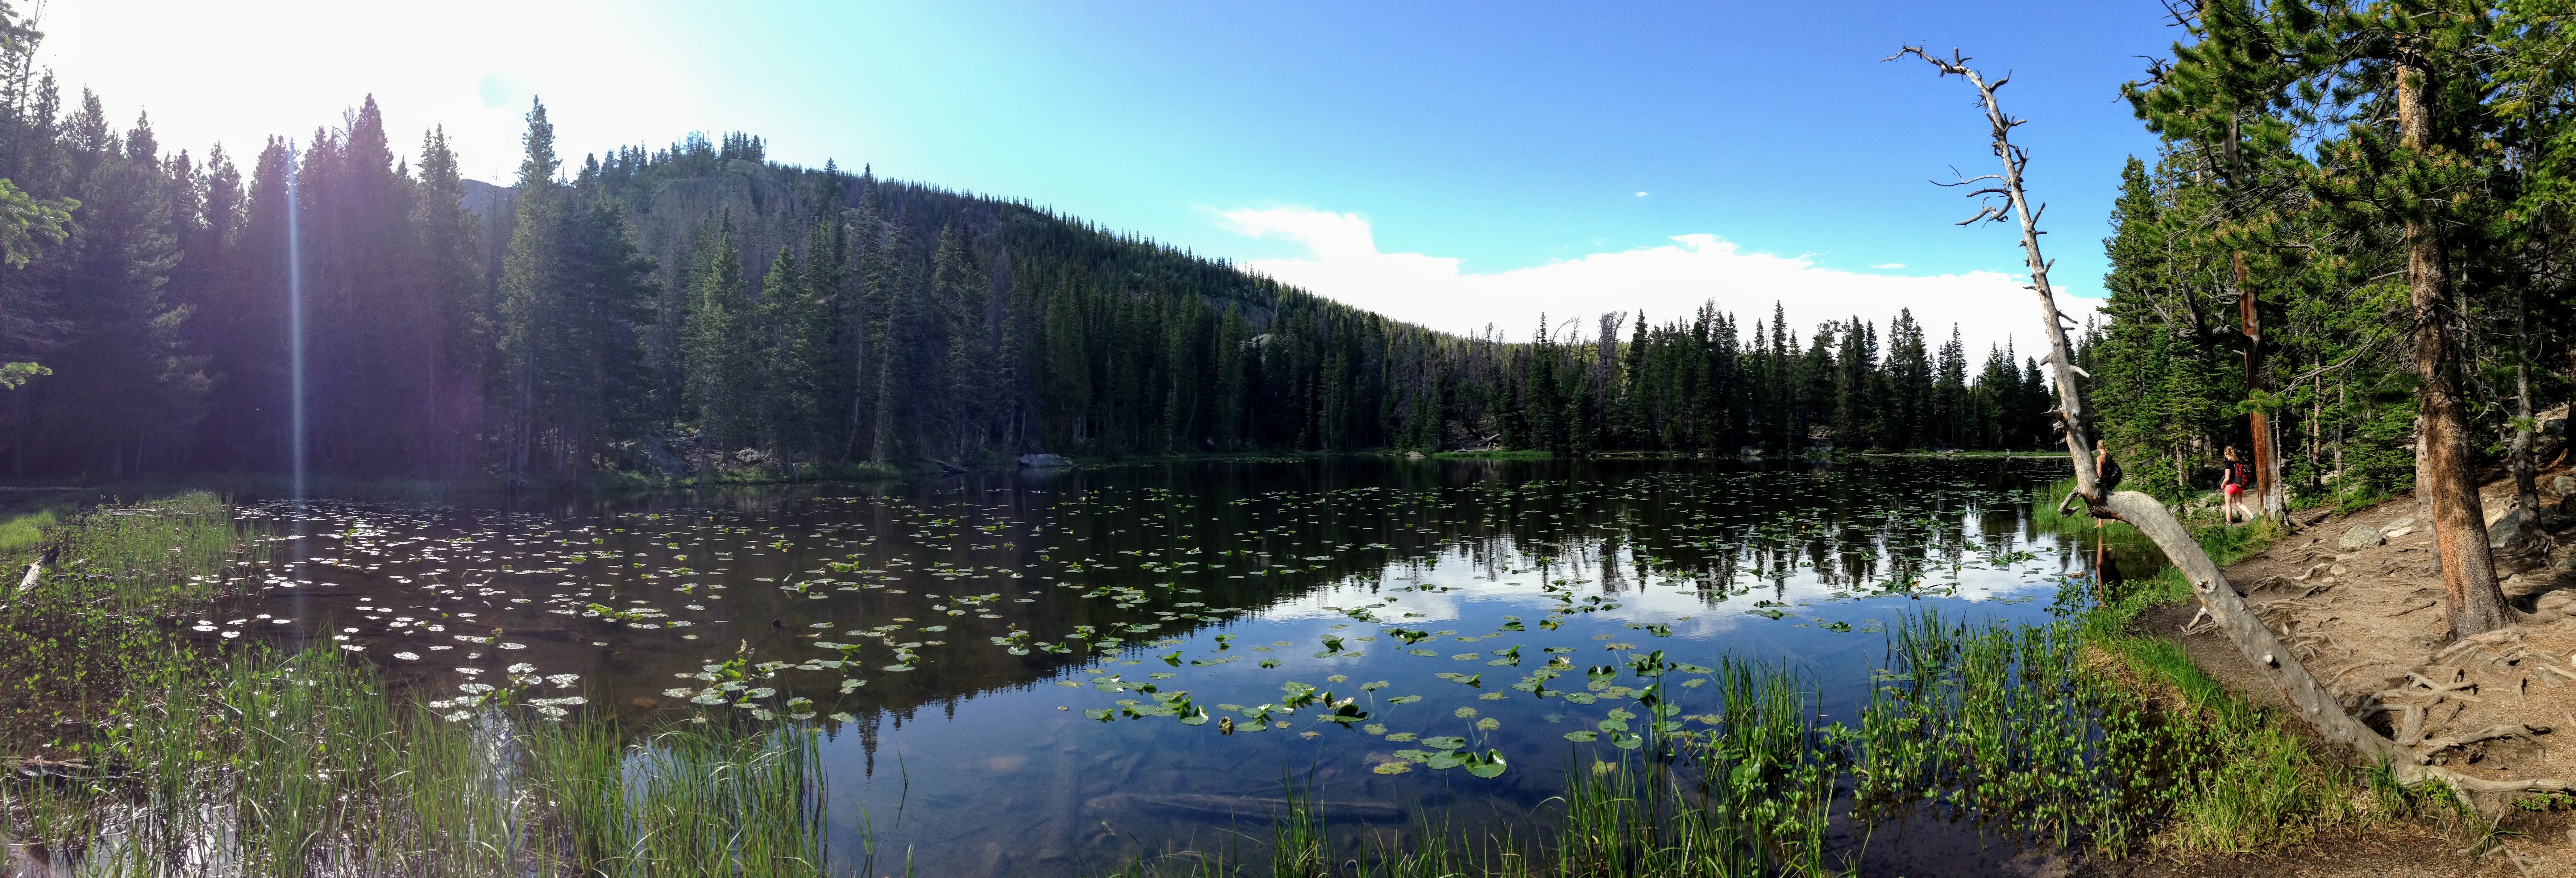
(2366, 613)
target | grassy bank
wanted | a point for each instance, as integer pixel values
(2257, 779)
(2252, 780)
(1492, 455)
(146, 751)
(751, 474)
(2003, 728)
(1748, 789)
(430, 490)
(159, 746)
(2084, 733)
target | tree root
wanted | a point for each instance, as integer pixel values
(2490, 733)
(2490, 638)
(2220, 606)
(2488, 797)
(2193, 625)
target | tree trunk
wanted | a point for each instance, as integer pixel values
(859, 355)
(2470, 594)
(2526, 479)
(877, 444)
(2267, 465)
(2278, 665)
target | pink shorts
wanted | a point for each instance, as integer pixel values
(2233, 490)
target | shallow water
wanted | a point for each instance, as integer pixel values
(953, 635)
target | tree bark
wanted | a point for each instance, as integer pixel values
(2526, 478)
(2267, 465)
(2470, 595)
(2278, 665)
(2280, 668)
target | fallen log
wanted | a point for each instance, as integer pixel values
(2097, 481)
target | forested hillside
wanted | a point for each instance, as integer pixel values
(695, 306)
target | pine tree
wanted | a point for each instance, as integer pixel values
(1909, 383)
(722, 350)
(1952, 414)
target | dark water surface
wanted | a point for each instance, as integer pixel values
(954, 637)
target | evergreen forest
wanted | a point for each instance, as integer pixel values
(664, 310)
(652, 310)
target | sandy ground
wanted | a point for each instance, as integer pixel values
(2369, 622)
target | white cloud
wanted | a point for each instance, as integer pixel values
(1889, 265)
(1641, 195)
(1668, 282)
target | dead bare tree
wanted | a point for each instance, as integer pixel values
(2281, 667)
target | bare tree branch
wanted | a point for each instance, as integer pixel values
(2279, 666)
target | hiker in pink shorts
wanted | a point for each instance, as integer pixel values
(2239, 476)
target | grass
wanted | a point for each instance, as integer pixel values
(2008, 728)
(20, 532)
(749, 474)
(1748, 789)
(165, 752)
(94, 622)
(2247, 778)
(293, 760)
(2359, 501)
(2241, 778)
(1493, 455)
(2082, 733)
(164, 756)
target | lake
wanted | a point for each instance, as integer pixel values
(1063, 672)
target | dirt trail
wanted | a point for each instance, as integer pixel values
(2365, 612)
(2367, 617)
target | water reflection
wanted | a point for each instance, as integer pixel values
(1003, 663)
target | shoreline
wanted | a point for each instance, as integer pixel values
(2202, 670)
(2337, 820)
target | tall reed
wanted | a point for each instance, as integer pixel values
(237, 759)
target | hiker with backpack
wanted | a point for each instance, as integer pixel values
(2237, 479)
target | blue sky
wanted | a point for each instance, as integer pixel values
(1498, 143)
